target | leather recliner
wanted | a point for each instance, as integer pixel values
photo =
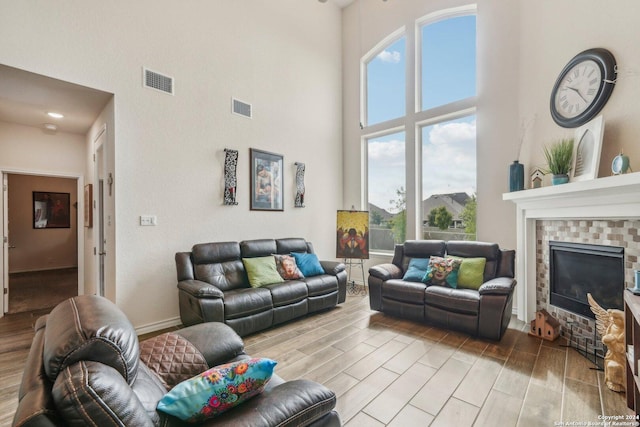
(484, 312)
(86, 367)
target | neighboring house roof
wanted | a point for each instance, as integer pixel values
(454, 202)
(386, 216)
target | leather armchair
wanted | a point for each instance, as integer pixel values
(86, 367)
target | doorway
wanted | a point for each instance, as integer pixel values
(42, 246)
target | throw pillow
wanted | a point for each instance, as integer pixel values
(287, 267)
(308, 264)
(217, 390)
(471, 274)
(416, 270)
(261, 271)
(442, 271)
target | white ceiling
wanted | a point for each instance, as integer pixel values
(25, 98)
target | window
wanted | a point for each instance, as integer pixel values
(386, 84)
(386, 178)
(437, 141)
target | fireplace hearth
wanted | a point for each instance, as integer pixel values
(576, 269)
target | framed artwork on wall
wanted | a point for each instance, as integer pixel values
(266, 181)
(51, 210)
(88, 208)
(587, 144)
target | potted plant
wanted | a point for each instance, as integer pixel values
(559, 158)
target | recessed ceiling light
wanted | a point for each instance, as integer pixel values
(55, 115)
(50, 126)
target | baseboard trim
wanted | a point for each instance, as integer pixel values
(157, 326)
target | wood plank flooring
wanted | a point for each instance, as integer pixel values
(393, 372)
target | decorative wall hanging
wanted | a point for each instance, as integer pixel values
(266, 181)
(299, 202)
(587, 145)
(230, 180)
(51, 210)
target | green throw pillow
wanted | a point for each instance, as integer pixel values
(217, 390)
(261, 271)
(471, 272)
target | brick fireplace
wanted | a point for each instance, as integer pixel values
(603, 211)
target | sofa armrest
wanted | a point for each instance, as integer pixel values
(386, 271)
(295, 403)
(217, 341)
(332, 267)
(200, 289)
(498, 286)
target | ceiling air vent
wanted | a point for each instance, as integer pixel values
(240, 108)
(157, 81)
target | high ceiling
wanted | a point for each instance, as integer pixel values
(25, 98)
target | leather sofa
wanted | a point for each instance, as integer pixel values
(484, 312)
(213, 286)
(86, 367)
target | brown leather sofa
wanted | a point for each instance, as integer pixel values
(484, 312)
(213, 286)
(87, 368)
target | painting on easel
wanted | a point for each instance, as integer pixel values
(352, 234)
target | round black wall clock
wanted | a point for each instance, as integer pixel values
(583, 87)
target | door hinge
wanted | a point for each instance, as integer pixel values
(5, 239)
(4, 187)
(94, 157)
(6, 291)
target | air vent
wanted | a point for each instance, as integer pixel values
(157, 81)
(240, 108)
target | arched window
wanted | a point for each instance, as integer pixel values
(421, 163)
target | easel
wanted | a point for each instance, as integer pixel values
(351, 284)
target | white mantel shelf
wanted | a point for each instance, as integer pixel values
(612, 198)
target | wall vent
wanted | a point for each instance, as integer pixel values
(240, 108)
(157, 81)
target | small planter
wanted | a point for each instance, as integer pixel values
(559, 179)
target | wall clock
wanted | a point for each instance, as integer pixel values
(583, 87)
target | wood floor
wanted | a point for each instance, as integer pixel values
(388, 371)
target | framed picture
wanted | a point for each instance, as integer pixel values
(352, 240)
(51, 210)
(266, 181)
(88, 202)
(587, 144)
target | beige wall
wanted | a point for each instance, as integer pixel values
(283, 57)
(46, 248)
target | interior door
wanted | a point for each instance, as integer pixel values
(5, 245)
(99, 236)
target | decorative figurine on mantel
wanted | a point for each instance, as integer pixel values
(536, 178)
(610, 325)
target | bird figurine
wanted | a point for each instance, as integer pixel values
(610, 326)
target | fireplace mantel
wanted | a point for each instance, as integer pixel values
(614, 197)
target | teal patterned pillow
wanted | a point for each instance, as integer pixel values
(217, 390)
(442, 271)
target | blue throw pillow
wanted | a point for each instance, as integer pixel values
(416, 270)
(308, 264)
(217, 389)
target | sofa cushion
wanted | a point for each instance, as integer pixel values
(245, 302)
(456, 300)
(289, 292)
(261, 271)
(308, 264)
(224, 275)
(416, 270)
(287, 267)
(293, 244)
(401, 290)
(321, 285)
(217, 390)
(442, 271)
(257, 248)
(469, 249)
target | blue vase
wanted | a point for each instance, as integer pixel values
(516, 176)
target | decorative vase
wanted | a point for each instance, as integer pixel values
(559, 179)
(516, 176)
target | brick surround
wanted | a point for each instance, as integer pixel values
(624, 233)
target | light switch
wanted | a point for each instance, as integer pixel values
(148, 220)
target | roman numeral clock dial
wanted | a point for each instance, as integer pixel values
(583, 87)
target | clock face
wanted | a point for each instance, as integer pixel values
(578, 89)
(583, 87)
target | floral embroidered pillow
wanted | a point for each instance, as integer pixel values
(217, 390)
(442, 271)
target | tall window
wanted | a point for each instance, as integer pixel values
(442, 128)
